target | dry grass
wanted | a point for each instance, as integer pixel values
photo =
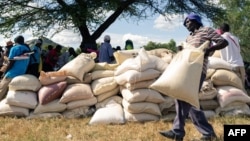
(59, 129)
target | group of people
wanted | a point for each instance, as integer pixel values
(54, 59)
(19, 58)
(221, 39)
(14, 67)
(106, 51)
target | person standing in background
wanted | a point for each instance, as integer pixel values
(106, 51)
(35, 58)
(129, 45)
(9, 45)
(198, 35)
(6, 53)
(232, 53)
(118, 48)
(72, 53)
(1, 57)
(52, 58)
(15, 67)
(45, 53)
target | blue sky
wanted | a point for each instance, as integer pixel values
(155, 29)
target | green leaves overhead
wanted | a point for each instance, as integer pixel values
(237, 15)
(89, 17)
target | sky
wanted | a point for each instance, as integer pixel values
(155, 29)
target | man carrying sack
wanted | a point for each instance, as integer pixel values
(198, 35)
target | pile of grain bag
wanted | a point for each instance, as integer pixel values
(231, 94)
(53, 94)
(106, 90)
(21, 96)
(134, 76)
(141, 86)
(222, 93)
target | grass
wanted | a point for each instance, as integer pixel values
(60, 129)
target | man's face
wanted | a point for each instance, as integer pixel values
(190, 25)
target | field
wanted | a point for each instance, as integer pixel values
(60, 129)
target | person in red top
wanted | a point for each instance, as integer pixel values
(52, 58)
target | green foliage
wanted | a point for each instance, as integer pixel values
(90, 18)
(78, 51)
(64, 49)
(153, 45)
(238, 17)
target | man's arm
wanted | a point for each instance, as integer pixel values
(219, 41)
(10, 64)
(220, 44)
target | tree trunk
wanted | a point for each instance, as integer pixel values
(89, 41)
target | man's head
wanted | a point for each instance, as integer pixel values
(50, 47)
(39, 42)
(58, 48)
(19, 39)
(192, 22)
(106, 38)
(9, 44)
(71, 50)
(224, 28)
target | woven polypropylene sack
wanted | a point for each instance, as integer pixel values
(79, 66)
(181, 78)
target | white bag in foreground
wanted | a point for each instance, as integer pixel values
(181, 78)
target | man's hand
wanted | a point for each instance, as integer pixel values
(179, 48)
(208, 51)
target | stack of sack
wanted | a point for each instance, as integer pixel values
(109, 108)
(231, 94)
(168, 108)
(63, 93)
(106, 90)
(122, 55)
(104, 87)
(208, 98)
(71, 95)
(21, 96)
(222, 93)
(141, 86)
(78, 95)
(134, 76)
(53, 85)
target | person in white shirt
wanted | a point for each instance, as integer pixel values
(232, 53)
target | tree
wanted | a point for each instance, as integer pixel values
(237, 16)
(90, 18)
(152, 45)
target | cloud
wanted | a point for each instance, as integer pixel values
(170, 23)
(120, 39)
(138, 40)
(160, 30)
(27, 36)
(67, 38)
